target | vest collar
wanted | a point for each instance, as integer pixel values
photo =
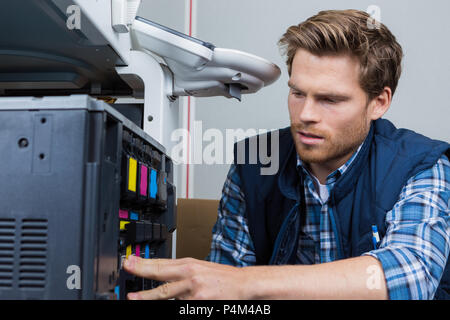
(288, 179)
(348, 180)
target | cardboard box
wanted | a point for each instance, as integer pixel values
(195, 220)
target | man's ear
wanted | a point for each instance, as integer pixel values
(380, 104)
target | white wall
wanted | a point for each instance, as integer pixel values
(422, 100)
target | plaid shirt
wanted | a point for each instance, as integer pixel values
(413, 252)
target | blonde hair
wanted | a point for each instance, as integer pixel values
(335, 32)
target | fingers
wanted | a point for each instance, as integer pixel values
(163, 262)
(186, 278)
(155, 269)
(167, 269)
(165, 291)
(173, 262)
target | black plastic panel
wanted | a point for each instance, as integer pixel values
(62, 201)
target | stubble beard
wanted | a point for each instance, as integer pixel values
(334, 147)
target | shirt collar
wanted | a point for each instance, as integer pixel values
(332, 177)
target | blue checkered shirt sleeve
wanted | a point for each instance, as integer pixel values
(231, 243)
(416, 245)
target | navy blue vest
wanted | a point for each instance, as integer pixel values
(361, 197)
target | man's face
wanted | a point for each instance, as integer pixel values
(327, 108)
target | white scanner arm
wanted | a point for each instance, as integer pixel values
(199, 68)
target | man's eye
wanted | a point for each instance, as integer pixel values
(330, 101)
(298, 94)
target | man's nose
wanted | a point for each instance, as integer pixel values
(309, 112)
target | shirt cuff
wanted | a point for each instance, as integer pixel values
(405, 275)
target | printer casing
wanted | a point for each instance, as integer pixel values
(60, 196)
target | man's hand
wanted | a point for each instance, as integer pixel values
(187, 278)
(353, 278)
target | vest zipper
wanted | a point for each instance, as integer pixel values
(281, 233)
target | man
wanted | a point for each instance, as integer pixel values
(357, 210)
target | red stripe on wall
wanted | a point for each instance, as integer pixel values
(189, 113)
